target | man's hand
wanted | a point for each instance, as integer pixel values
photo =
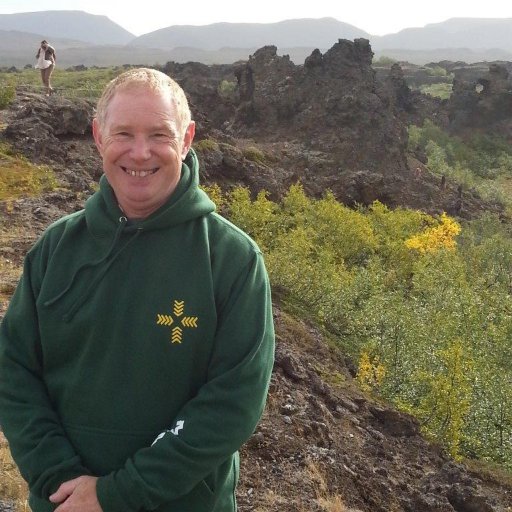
(77, 495)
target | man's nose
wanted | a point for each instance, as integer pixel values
(141, 148)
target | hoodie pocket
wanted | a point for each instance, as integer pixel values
(104, 451)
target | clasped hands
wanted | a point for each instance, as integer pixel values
(77, 495)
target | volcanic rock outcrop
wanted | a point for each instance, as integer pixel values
(484, 103)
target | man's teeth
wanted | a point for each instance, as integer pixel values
(140, 174)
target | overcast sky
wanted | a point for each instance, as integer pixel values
(377, 17)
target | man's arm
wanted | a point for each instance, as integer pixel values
(220, 418)
(37, 440)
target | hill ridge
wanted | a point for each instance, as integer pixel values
(467, 39)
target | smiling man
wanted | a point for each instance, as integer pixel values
(136, 353)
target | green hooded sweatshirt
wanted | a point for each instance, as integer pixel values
(138, 352)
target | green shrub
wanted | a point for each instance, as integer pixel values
(227, 89)
(481, 162)
(442, 90)
(206, 145)
(436, 71)
(431, 329)
(384, 61)
(254, 154)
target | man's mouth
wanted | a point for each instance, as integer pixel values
(139, 173)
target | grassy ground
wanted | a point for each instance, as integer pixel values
(13, 489)
(73, 84)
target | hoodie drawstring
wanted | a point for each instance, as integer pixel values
(74, 308)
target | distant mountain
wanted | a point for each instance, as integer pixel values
(422, 57)
(17, 42)
(82, 38)
(469, 33)
(77, 25)
(20, 48)
(315, 33)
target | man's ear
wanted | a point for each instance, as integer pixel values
(96, 133)
(187, 139)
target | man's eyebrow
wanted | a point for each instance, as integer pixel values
(164, 127)
(120, 127)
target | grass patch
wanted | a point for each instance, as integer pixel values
(10, 273)
(7, 94)
(489, 471)
(290, 328)
(326, 500)
(18, 177)
(83, 83)
(13, 488)
(334, 378)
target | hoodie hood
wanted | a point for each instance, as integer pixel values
(187, 202)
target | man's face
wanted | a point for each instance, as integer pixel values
(142, 149)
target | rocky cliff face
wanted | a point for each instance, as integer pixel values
(330, 105)
(482, 102)
(329, 123)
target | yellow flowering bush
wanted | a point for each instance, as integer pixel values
(437, 237)
(371, 371)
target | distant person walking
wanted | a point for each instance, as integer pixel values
(46, 60)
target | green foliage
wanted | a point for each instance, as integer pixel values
(436, 71)
(430, 328)
(415, 138)
(482, 155)
(482, 163)
(254, 154)
(437, 158)
(227, 89)
(441, 90)
(206, 145)
(392, 228)
(256, 217)
(371, 372)
(446, 402)
(346, 233)
(215, 194)
(384, 61)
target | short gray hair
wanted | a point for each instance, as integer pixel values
(152, 80)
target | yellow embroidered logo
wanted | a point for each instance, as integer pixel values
(178, 318)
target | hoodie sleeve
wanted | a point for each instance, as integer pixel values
(37, 441)
(220, 418)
